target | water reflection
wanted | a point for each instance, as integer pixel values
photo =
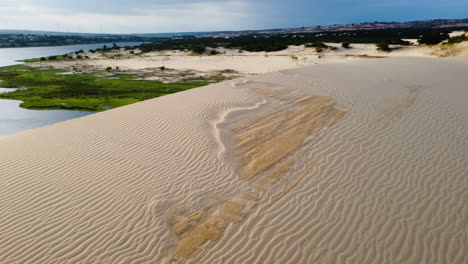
(14, 119)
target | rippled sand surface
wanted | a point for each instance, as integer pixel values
(357, 162)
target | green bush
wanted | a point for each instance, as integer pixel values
(198, 49)
(346, 45)
(457, 39)
(383, 47)
(433, 38)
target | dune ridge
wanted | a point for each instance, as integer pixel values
(366, 164)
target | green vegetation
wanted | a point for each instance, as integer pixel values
(346, 45)
(46, 88)
(320, 46)
(42, 40)
(458, 39)
(383, 47)
(276, 42)
(433, 37)
(50, 58)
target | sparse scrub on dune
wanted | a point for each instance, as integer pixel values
(433, 38)
(214, 52)
(458, 39)
(383, 47)
(346, 45)
(293, 57)
(320, 47)
(317, 45)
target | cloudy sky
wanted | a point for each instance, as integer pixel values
(151, 16)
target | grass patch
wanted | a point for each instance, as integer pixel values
(50, 58)
(50, 89)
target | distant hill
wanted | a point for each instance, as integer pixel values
(56, 33)
(51, 33)
(436, 23)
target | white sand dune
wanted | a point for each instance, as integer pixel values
(356, 162)
(247, 63)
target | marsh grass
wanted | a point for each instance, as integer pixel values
(51, 89)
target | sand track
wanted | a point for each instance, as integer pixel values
(357, 162)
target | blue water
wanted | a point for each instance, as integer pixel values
(9, 56)
(14, 119)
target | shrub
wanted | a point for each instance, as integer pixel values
(293, 57)
(198, 49)
(318, 49)
(458, 39)
(432, 38)
(346, 45)
(317, 45)
(213, 52)
(109, 69)
(162, 68)
(43, 59)
(383, 47)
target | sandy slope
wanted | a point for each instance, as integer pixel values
(356, 162)
(246, 63)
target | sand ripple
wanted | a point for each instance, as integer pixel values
(359, 162)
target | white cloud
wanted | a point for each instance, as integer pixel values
(162, 17)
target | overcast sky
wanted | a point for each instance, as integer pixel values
(155, 16)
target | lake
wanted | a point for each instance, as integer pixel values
(13, 118)
(9, 56)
